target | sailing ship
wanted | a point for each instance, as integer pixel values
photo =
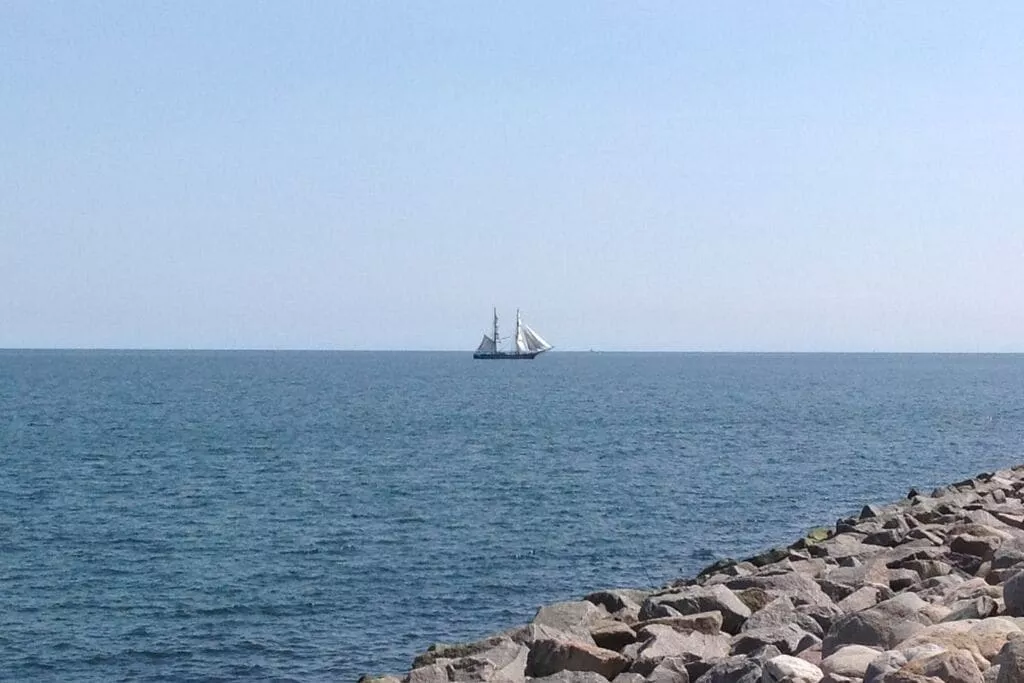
(526, 343)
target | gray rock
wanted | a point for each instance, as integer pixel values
(628, 677)
(780, 612)
(670, 670)
(571, 677)
(549, 656)
(612, 635)
(864, 597)
(1011, 661)
(695, 599)
(705, 622)
(661, 641)
(618, 599)
(955, 666)
(886, 662)
(790, 639)
(791, 670)
(733, 670)
(851, 661)
(799, 588)
(882, 626)
(431, 673)
(1013, 595)
(575, 617)
(978, 608)
(980, 546)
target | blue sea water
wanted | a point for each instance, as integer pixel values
(313, 516)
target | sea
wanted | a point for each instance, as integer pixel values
(314, 516)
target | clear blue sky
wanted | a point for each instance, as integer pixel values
(661, 175)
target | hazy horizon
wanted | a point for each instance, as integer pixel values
(726, 178)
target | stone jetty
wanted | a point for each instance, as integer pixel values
(925, 590)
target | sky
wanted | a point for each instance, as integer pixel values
(678, 176)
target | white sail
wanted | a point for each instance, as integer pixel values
(521, 345)
(487, 345)
(533, 341)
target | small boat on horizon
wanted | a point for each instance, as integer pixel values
(526, 343)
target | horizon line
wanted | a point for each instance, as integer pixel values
(256, 349)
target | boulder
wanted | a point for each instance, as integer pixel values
(978, 608)
(669, 670)
(799, 588)
(612, 635)
(548, 656)
(790, 639)
(886, 662)
(1013, 595)
(696, 599)
(980, 546)
(660, 641)
(705, 622)
(1011, 661)
(619, 599)
(628, 677)
(954, 666)
(851, 661)
(575, 617)
(780, 612)
(431, 673)
(733, 670)
(882, 626)
(574, 677)
(864, 597)
(791, 670)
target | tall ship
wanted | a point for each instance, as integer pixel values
(526, 343)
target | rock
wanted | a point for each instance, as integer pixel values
(548, 656)
(387, 678)
(980, 546)
(754, 598)
(705, 622)
(955, 666)
(865, 597)
(628, 677)
(574, 618)
(733, 670)
(431, 673)
(1013, 595)
(882, 626)
(790, 639)
(612, 635)
(670, 670)
(978, 608)
(526, 635)
(780, 612)
(850, 661)
(990, 635)
(799, 588)
(696, 599)
(660, 641)
(446, 651)
(619, 599)
(791, 670)
(573, 677)
(1011, 662)
(884, 663)
(504, 663)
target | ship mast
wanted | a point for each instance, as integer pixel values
(495, 328)
(515, 340)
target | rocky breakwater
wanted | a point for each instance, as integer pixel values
(925, 590)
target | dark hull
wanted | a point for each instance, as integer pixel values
(502, 355)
